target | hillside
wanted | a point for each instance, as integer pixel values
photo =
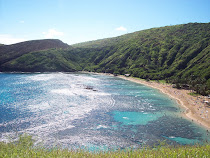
(155, 53)
(10, 54)
(179, 54)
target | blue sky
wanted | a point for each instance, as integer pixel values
(74, 21)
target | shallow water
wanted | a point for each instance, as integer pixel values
(90, 111)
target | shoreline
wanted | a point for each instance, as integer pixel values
(195, 108)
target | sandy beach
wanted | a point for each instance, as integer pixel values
(196, 109)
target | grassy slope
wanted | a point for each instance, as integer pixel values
(24, 148)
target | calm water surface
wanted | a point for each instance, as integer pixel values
(90, 111)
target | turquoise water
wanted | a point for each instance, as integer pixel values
(136, 118)
(90, 111)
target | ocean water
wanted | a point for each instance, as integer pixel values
(95, 112)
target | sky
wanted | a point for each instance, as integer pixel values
(75, 21)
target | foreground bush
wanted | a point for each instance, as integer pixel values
(24, 148)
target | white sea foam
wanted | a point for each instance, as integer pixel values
(74, 91)
(41, 106)
(64, 91)
(126, 118)
(101, 126)
(41, 77)
(86, 78)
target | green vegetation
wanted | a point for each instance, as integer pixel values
(24, 148)
(45, 60)
(14, 51)
(194, 94)
(178, 54)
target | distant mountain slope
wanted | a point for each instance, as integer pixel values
(9, 52)
(49, 60)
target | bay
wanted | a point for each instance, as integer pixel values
(96, 112)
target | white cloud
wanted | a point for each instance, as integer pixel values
(21, 21)
(121, 28)
(52, 33)
(9, 39)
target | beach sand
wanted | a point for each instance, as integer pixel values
(196, 109)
